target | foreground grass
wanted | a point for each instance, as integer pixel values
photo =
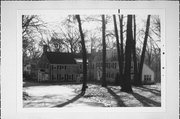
(95, 96)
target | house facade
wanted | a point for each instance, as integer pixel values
(112, 69)
(56, 66)
(67, 67)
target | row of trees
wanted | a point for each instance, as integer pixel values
(73, 38)
(130, 48)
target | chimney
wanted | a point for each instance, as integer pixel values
(44, 48)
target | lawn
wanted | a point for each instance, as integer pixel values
(55, 95)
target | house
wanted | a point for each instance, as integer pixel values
(57, 66)
(112, 68)
(147, 75)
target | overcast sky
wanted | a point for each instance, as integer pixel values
(54, 23)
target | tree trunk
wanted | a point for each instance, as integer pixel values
(104, 83)
(121, 37)
(127, 72)
(84, 56)
(143, 51)
(118, 51)
(134, 54)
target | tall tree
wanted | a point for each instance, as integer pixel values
(71, 38)
(134, 53)
(121, 38)
(126, 87)
(84, 56)
(31, 27)
(104, 83)
(143, 51)
(118, 49)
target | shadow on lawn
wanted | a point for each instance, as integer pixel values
(145, 101)
(149, 90)
(119, 101)
(70, 101)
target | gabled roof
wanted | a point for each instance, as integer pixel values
(60, 58)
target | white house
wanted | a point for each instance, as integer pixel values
(112, 69)
(147, 75)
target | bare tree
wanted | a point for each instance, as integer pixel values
(126, 87)
(143, 51)
(31, 25)
(134, 53)
(104, 83)
(84, 56)
(118, 51)
(121, 38)
(71, 39)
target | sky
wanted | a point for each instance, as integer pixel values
(54, 23)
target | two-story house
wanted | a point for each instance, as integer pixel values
(57, 66)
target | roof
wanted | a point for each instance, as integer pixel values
(60, 58)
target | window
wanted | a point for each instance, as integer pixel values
(147, 78)
(112, 75)
(72, 77)
(54, 67)
(62, 78)
(65, 77)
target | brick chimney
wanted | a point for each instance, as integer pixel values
(45, 48)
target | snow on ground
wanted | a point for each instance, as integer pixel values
(39, 95)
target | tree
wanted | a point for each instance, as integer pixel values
(31, 27)
(118, 50)
(71, 38)
(121, 37)
(57, 44)
(104, 83)
(156, 26)
(134, 53)
(84, 56)
(126, 87)
(143, 51)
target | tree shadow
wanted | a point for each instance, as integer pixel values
(145, 101)
(149, 90)
(119, 101)
(70, 101)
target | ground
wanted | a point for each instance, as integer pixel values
(67, 95)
